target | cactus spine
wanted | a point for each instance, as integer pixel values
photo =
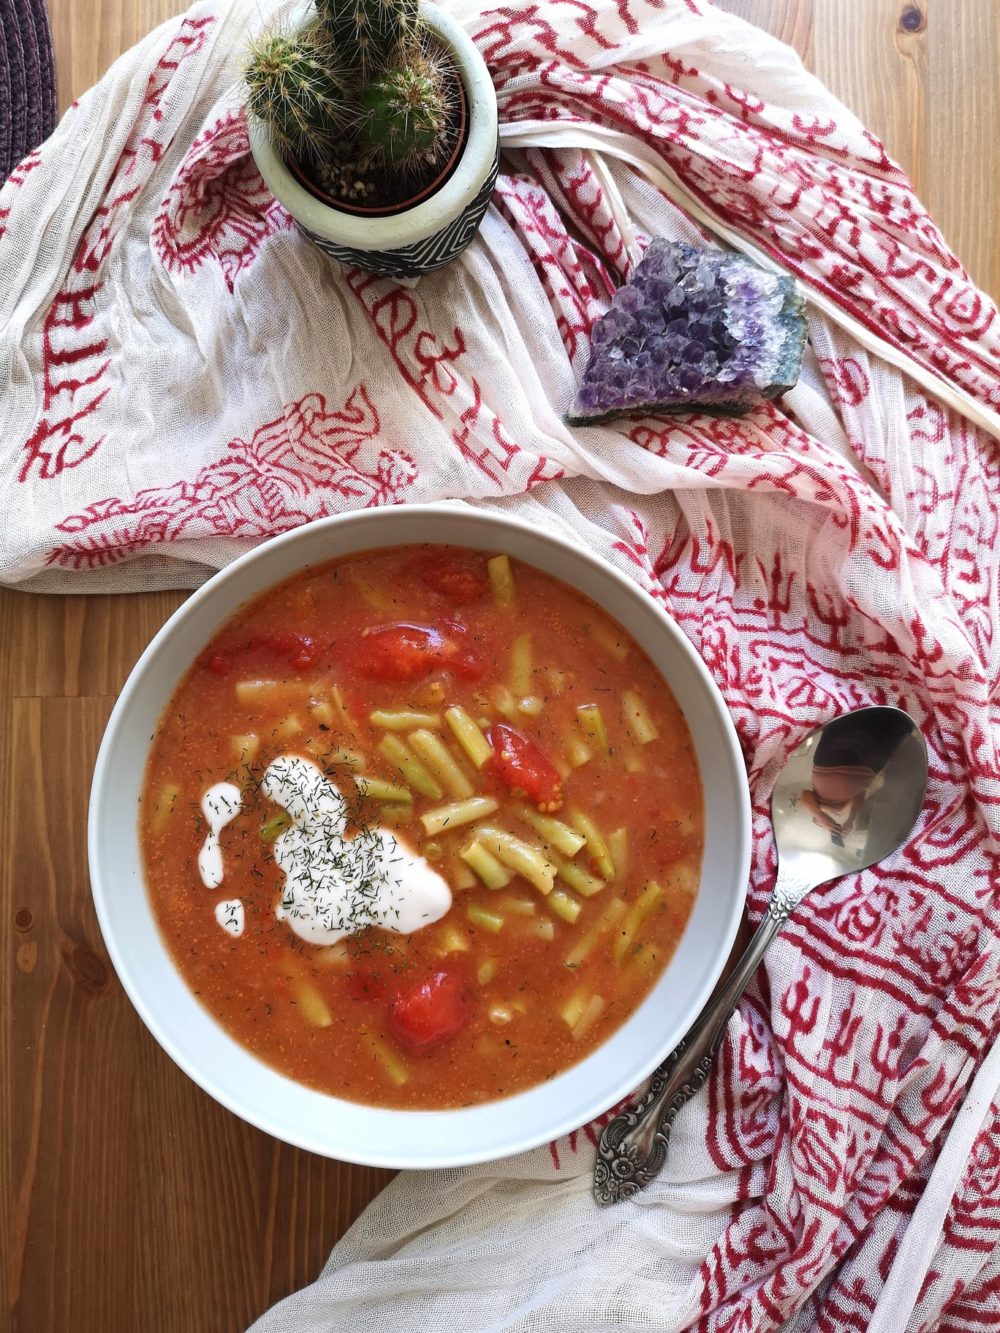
(407, 111)
(368, 33)
(361, 76)
(295, 87)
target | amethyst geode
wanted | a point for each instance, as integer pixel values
(694, 331)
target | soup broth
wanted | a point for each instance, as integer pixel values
(422, 827)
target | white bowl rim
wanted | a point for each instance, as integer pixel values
(442, 1155)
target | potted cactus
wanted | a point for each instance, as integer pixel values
(375, 124)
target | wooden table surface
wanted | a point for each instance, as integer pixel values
(130, 1200)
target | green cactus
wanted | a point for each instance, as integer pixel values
(361, 97)
(407, 110)
(367, 33)
(296, 87)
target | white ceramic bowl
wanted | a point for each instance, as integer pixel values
(314, 1120)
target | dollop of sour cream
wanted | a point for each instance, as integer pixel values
(334, 885)
(219, 805)
(231, 916)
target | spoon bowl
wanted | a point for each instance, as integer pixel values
(848, 796)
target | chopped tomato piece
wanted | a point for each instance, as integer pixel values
(219, 664)
(465, 665)
(452, 579)
(524, 767)
(401, 652)
(298, 650)
(409, 652)
(430, 1013)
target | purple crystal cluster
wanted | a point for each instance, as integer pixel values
(694, 330)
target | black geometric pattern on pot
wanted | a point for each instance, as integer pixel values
(411, 261)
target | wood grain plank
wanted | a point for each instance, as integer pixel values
(789, 20)
(959, 99)
(88, 38)
(78, 645)
(927, 78)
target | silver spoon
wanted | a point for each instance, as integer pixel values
(847, 797)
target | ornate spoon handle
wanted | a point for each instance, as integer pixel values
(633, 1147)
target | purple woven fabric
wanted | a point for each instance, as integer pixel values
(27, 80)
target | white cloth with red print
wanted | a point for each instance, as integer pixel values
(184, 375)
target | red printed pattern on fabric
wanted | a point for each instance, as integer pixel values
(307, 463)
(76, 356)
(218, 207)
(16, 179)
(425, 362)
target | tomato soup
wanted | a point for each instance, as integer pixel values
(422, 826)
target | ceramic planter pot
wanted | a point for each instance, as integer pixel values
(427, 233)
